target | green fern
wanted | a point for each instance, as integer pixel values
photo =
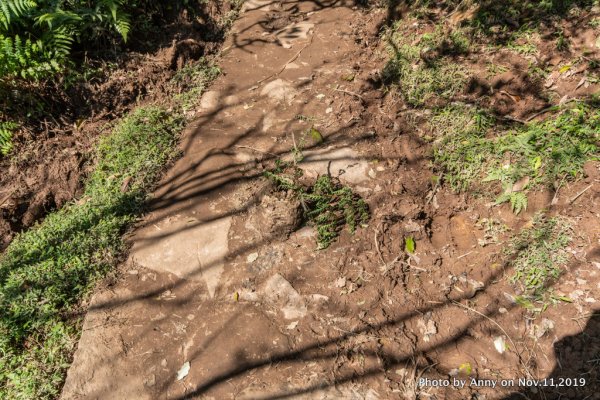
(518, 201)
(327, 204)
(26, 59)
(6, 135)
(14, 8)
(120, 19)
(36, 38)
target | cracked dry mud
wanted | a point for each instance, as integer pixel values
(220, 277)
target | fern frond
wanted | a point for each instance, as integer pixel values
(58, 19)
(6, 134)
(121, 20)
(518, 202)
(59, 41)
(16, 8)
(4, 14)
(26, 59)
(123, 25)
(37, 36)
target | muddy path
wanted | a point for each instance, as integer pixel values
(224, 295)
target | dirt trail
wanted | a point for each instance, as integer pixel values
(223, 296)
(175, 303)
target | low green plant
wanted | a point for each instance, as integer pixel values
(193, 79)
(46, 271)
(422, 71)
(562, 43)
(27, 58)
(462, 148)
(492, 15)
(492, 230)
(536, 72)
(523, 41)
(6, 136)
(327, 204)
(539, 254)
(451, 42)
(495, 69)
(331, 206)
(538, 153)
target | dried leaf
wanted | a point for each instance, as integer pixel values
(500, 344)
(293, 325)
(183, 371)
(521, 184)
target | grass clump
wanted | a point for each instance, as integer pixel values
(419, 67)
(539, 254)
(327, 204)
(462, 149)
(539, 153)
(47, 270)
(193, 79)
(522, 41)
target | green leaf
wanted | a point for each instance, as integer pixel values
(409, 245)
(564, 69)
(316, 135)
(518, 202)
(466, 368)
(536, 163)
(565, 299)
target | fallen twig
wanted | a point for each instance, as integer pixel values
(499, 327)
(513, 119)
(377, 246)
(435, 189)
(555, 197)
(286, 64)
(350, 93)
(5, 199)
(256, 150)
(544, 111)
(551, 108)
(579, 194)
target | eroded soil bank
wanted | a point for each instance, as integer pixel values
(60, 122)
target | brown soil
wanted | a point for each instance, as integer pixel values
(54, 153)
(225, 296)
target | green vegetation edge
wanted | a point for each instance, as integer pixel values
(47, 271)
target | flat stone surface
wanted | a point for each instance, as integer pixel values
(186, 248)
(343, 163)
